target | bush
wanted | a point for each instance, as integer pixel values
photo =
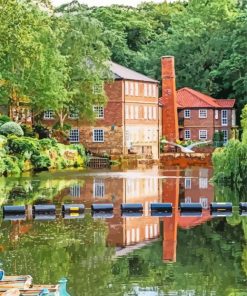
(28, 130)
(22, 145)
(57, 126)
(11, 164)
(40, 161)
(11, 128)
(48, 143)
(4, 119)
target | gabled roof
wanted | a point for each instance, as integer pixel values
(121, 72)
(189, 98)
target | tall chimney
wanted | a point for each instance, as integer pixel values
(169, 100)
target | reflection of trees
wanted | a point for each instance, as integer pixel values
(27, 190)
(207, 260)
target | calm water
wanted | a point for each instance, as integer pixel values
(127, 256)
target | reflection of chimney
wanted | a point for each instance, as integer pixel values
(169, 100)
(170, 224)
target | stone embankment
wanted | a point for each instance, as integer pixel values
(186, 159)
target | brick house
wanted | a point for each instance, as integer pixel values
(188, 114)
(201, 116)
(129, 123)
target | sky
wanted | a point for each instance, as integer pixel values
(104, 2)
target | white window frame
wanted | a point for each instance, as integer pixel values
(136, 113)
(75, 190)
(150, 90)
(187, 113)
(145, 90)
(98, 135)
(150, 113)
(126, 112)
(145, 112)
(98, 188)
(73, 115)
(203, 183)
(225, 136)
(224, 118)
(131, 88)
(187, 199)
(48, 115)
(187, 183)
(203, 113)
(216, 114)
(98, 88)
(74, 135)
(136, 89)
(131, 112)
(99, 111)
(185, 134)
(204, 202)
(126, 88)
(203, 137)
(154, 90)
(154, 113)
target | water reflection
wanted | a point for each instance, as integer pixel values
(82, 249)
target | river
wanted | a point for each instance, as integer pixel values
(116, 255)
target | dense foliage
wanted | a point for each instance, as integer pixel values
(20, 154)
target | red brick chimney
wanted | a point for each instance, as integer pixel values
(169, 100)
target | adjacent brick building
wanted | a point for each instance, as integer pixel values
(129, 123)
(201, 116)
(190, 115)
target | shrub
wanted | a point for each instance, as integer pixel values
(40, 161)
(79, 148)
(23, 145)
(48, 143)
(11, 128)
(11, 164)
(28, 130)
(4, 119)
(57, 126)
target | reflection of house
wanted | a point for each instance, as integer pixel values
(129, 123)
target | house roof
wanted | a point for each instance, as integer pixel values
(189, 98)
(121, 72)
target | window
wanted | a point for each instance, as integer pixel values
(74, 135)
(216, 114)
(99, 111)
(150, 113)
(98, 88)
(187, 113)
(126, 88)
(187, 135)
(204, 202)
(154, 90)
(203, 113)
(225, 136)
(74, 115)
(131, 88)
(145, 112)
(187, 200)
(98, 135)
(98, 188)
(136, 112)
(187, 183)
(150, 90)
(131, 112)
(203, 183)
(145, 90)
(75, 190)
(224, 117)
(203, 134)
(136, 89)
(49, 114)
(233, 117)
(126, 112)
(154, 113)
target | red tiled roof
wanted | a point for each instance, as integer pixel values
(189, 98)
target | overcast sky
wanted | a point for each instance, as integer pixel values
(105, 2)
